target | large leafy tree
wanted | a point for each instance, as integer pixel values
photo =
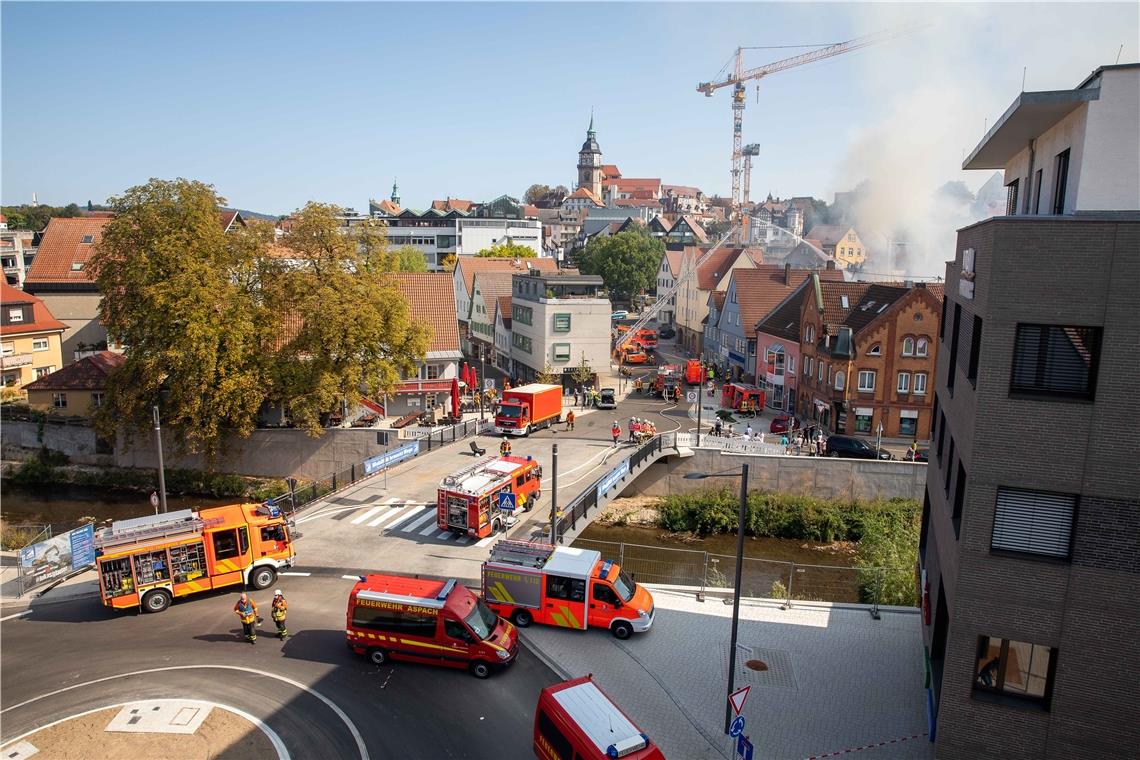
(535, 193)
(408, 258)
(183, 296)
(215, 326)
(351, 331)
(627, 261)
(508, 250)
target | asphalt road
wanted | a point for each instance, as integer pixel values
(53, 661)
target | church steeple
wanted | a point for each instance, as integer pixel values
(590, 161)
(395, 192)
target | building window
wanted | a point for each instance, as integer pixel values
(77, 266)
(908, 346)
(908, 423)
(904, 382)
(44, 371)
(863, 420)
(1053, 360)
(791, 365)
(40, 344)
(1011, 198)
(1034, 522)
(7, 349)
(959, 498)
(866, 381)
(920, 383)
(875, 350)
(839, 381)
(561, 323)
(807, 366)
(561, 352)
(809, 333)
(941, 431)
(1060, 181)
(975, 352)
(10, 379)
(432, 371)
(819, 372)
(521, 342)
(98, 398)
(951, 371)
(16, 314)
(1015, 669)
(922, 347)
(88, 239)
(59, 400)
(523, 314)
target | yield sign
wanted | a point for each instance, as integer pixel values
(738, 698)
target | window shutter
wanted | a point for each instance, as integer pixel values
(1033, 522)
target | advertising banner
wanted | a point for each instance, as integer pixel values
(389, 458)
(47, 560)
(616, 474)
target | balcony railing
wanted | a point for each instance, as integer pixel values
(15, 360)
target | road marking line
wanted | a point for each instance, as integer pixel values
(429, 529)
(352, 729)
(303, 575)
(17, 615)
(486, 540)
(351, 577)
(401, 514)
(444, 535)
(420, 521)
(390, 515)
(367, 515)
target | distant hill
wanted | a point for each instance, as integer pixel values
(254, 214)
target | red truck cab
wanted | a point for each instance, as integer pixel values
(528, 407)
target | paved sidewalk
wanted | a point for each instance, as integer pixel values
(836, 679)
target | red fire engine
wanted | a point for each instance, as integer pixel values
(468, 501)
(742, 397)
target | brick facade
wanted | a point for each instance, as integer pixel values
(1074, 271)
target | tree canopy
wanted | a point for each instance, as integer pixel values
(215, 326)
(627, 261)
(408, 258)
(535, 193)
(35, 218)
(508, 250)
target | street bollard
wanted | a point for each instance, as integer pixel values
(791, 580)
(878, 592)
(704, 578)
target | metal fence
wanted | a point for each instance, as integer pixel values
(734, 445)
(441, 435)
(786, 582)
(580, 505)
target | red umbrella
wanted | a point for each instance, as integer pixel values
(465, 375)
(474, 381)
(455, 397)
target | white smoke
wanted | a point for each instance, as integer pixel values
(937, 88)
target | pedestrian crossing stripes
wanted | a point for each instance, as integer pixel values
(406, 517)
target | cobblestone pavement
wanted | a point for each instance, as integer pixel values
(836, 679)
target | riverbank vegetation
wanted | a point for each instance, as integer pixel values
(50, 467)
(885, 533)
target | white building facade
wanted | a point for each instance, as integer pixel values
(558, 320)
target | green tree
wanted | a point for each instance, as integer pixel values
(716, 229)
(535, 193)
(353, 333)
(28, 217)
(583, 373)
(182, 295)
(549, 375)
(215, 326)
(508, 250)
(627, 261)
(408, 258)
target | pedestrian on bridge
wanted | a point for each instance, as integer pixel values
(278, 613)
(246, 610)
(615, 431)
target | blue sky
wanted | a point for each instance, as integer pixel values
(277, 104)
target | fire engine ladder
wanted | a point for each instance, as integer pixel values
(456, 478)
(173, 525)
(524, 553)
(650, 313)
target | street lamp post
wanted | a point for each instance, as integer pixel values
(554, 491)
(743, 475)
(482, 376)
(161, 468)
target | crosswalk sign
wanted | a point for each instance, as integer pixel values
(507, 501)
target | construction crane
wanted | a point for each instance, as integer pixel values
(749, 151)
(740, 75)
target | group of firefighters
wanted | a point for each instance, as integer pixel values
(246, 610)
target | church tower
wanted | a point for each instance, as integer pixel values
(395, 193)
(590, 162)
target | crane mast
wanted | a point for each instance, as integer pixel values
(740, 75)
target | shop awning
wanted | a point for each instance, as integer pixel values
(422, 386)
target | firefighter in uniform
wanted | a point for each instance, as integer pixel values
(246, 610)
(280, 609)
(505, 448)
(570, 420)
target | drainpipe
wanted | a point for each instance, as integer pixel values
(1029, 179)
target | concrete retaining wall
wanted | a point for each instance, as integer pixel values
(854, 479)
(21, 439)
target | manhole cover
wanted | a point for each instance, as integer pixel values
(758, 665)
(763, 667)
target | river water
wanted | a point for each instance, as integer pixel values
(63, 505)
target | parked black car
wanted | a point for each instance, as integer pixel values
(606, 399)
(666, 332)
(854, 448)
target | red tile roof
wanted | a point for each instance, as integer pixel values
(713, 271)
(584, 192)
(228, 218)
(470, 265)
(62, 249)
(610, 171)
(760, 290)
(493, 286)
(678, 191)
(631, 184)
(388, 207)
(674, 259)
(828, 234)
(503, 303)
(453, 204)
(42, 319)
(88, 374)
(698, 230)
(834, 312)
(432, 300)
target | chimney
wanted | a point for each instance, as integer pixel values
(787, 274)
(908, 283)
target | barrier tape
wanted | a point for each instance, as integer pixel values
(849, 750)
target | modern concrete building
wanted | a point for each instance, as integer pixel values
(463, 284)
(559, 320)
(1030, 544)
